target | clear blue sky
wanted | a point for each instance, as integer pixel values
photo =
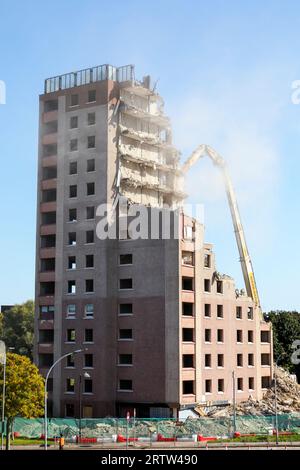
(225, 69)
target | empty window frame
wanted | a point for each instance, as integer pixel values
(207, 285)
(74, 100)
(265, 382)
(250, 336)
(220, 360)
(187, 334)
(125, 334)
(251, 383)
(125, 309)
(73, 168)
(208, 386)
(48, 218)
(73, 190)
(188, 361)
(220, 311)
(50, 105)
(265, 336)
(125, 385)
(239, 360)
(188, 309)
(239, 336)
(88, 386)
(89, 236)
(90, 212)
(207, 260)
(207, 310)
(73, 215)
(88, 360)
(91, 96)
(207, 335)
(70, 385)
(250, 313)
(220, 336)
(90, 165)
(239, 313)
(251, 359)
(187, 258)
(49, 172)
(265, 359)
(73, 122)
(90, 189)
(240, 384)
(88, 335)
(187, 283)
(126, 259)
(125, 283)
(89, 285)
(72, 238)
(89, 261)
(70, 361)
(73, 145)
(71, 287)
(219, 287)
(188, 387)
(125, 360)
(91, 142)
(91, 119)
(71, 262)
(220, 385)
(207, 360)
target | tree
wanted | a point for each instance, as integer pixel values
(286, 329)
(24, 390)
(18, 328)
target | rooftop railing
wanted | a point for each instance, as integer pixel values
(91, 75)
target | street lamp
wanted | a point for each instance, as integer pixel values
(3, 362)
(86, 375)
(45, 391)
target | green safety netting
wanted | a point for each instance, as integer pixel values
(106, 427)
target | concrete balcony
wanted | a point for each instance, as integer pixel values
(49, 161)
(48, 229)
(187, 296)
(187, 322)
(47, 252)
(187, 271)
(188, 348)
(50, 116)
(48, 206)
(45, 348)
(49, 139)
(46, 324)
(47, 276)
(188, 374)
(49, 184)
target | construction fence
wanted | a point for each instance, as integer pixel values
(120, 430)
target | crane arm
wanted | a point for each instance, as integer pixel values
(245, 260)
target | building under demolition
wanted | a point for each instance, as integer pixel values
(158, 327)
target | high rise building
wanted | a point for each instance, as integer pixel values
(158, 327)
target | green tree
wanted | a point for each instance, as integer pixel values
(24, 390)
(18, 328)
(286, 329)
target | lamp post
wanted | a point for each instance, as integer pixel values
(45, 391)
(87, 376)
(3, 362)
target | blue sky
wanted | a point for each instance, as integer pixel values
(225, 69)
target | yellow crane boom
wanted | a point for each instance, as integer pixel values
(245, 260)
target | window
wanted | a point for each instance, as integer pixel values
(72, 262)
(125, 333)
(250, 336)
(91, 142)
(74, 122)
(46, 336)
(71, 287)
(188, 387)
(89, 311)
(251, 383)
(125, 385)
(207, 335)
(265, 359)
(239, 336)
(90, 189)
(91, 96)
(89, 285)
(265, 382)
(220, 336)
(89, 261)
(47, 288)
(50, 127)
(239, 313)
(90, 212)
(220, 311)
(88, 360)
(187, 283)
(49, 150)
(44, 309)
(187, 334)
(187, 361)
(207, 360)
(70, 361)
(73, 190)
(90, 165)
(48, 241)
(206, 285)
(47, 264)
(49, 172)
(220, 385)
(70, 385)
(265, 336)
(207, 260)
(45, 360)
(88, 386)
(74, 100)
(71, 335)
(73, 145)
(73, 168)
(125, 283)
(188, 232)
(207, 310)
(48, 218)
(240, 384)
(126, 259)
(250, 313)
(71, 310)
(220, 360)
(208, 386)
(239, 360)
(88, 336)
(91, 119)
(125, 309)
(72, 215)
(125, 359)
(89, 236)
(70, 410)
(187, 309)
(50, 105)
(187, 258)
(72, 238)
(49, 195)
(219, 287)
(251, 359)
